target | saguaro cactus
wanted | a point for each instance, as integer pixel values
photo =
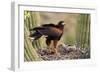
(31, 19)
(83, 31)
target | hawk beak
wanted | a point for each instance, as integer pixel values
(63, 23)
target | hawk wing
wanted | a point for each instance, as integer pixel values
(49, 25)
(49, 31)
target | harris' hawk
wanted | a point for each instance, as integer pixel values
(51, 31)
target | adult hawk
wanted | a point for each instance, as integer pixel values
(52, 32)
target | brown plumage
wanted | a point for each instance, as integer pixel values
(51, 31)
